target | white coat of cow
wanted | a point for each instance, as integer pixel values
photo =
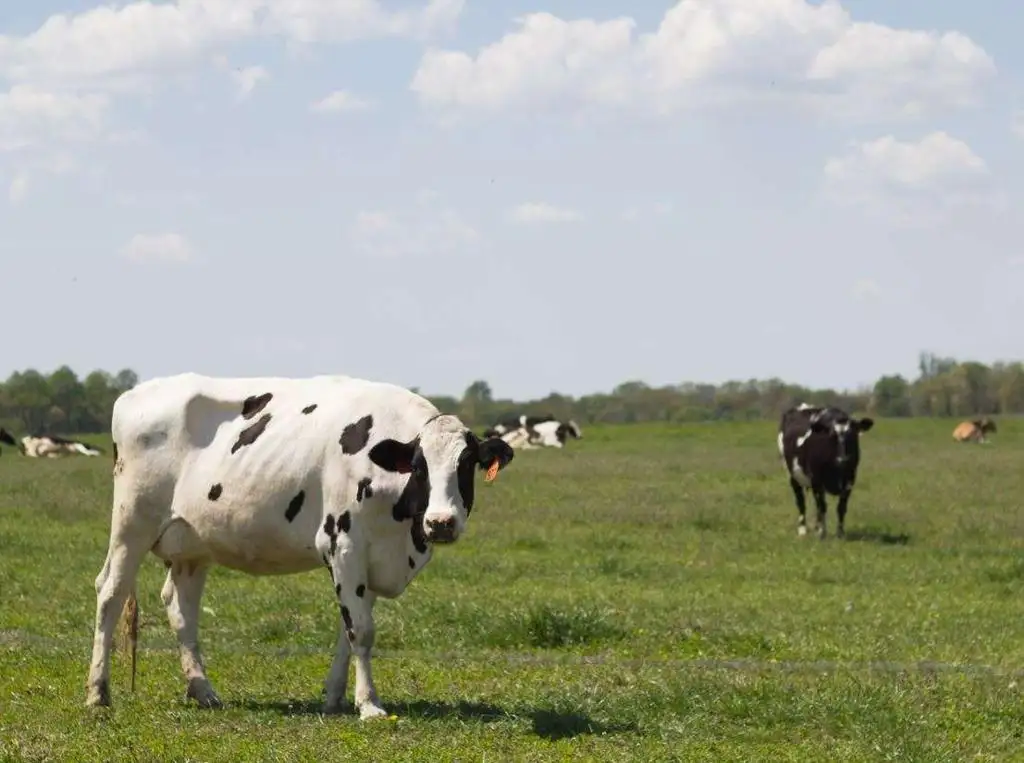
(277, 476)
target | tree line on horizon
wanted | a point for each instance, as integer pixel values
(60, 402)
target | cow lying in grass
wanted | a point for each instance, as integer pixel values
(821, 449)
(52, 446)
(974, 431)
(274, 476)
(528, 432)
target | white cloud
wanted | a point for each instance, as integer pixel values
(140, 37)
(426, 229)
(909, 178)
(247, 78)
(339, 100)
(29, 116)
(18, 188)
(158, 247)
(532, 213)
(934, 159)
(711, 51)
(1018, 124)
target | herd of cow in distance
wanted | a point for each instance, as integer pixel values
(274, 476)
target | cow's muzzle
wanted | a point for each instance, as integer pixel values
(441, 530)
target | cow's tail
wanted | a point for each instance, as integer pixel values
(128, 629)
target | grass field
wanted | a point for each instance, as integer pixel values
(641, 595)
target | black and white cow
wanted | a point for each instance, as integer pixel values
(273, 476)
(7, 438)
(529, 432)
(821, 449)
(53, 446)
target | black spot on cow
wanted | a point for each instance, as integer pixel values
(406, 458)
(331, 533)
(345, 522)
(419, 540)
(412, 563)
(167, 564)
(294, 506)
(363, 489)
(337, 588)
(309, 408)
(248, 435)
(355, 436)
(253, 405)
(360, 590)
(215, 492)
(348, 623)
(114, 446)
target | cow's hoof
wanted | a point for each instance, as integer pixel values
(369, 712)
(199, 689)
(337, 707)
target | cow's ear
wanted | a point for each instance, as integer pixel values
(393, 456)
(865, 424)
(494, 448)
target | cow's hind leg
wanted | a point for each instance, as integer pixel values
(819, 502)
(116, 580)
(801, 507)
(182, 595)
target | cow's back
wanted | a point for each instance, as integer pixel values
(248, 463)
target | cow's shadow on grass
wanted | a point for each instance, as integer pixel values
(546, 723)
(878, 536)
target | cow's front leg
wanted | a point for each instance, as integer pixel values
(801, 506)
(844, 498)
(357, 619)
(347, 565)
(357, 633)
(819, 502)
(337, 678)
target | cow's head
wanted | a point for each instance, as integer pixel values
(572, 429)
(843, 433)
(441, 463)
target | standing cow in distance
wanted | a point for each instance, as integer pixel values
(528, 432)
(273, 476)
(974, 431)
(821, 449)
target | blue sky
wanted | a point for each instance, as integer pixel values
(553, 196)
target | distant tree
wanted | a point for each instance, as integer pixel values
(891, 396)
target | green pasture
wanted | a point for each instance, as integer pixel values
(642, 595)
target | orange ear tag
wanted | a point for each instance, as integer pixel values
(492, 471)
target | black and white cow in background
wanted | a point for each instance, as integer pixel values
(534, 431)
(273, 476)
(7, 438)
(821, 449)
(52, 446)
